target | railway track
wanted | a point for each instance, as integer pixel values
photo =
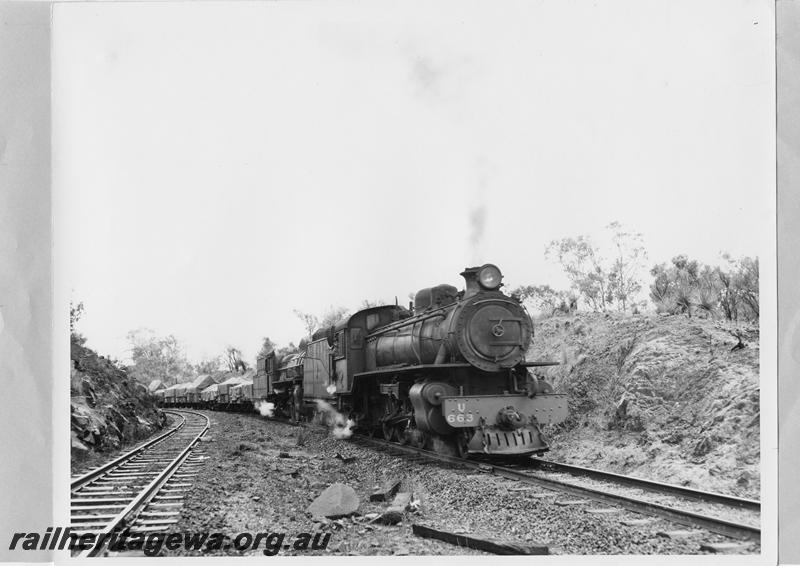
(143, 489)
(526, 473)
(650, 485)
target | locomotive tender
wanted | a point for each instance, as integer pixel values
(448, 374)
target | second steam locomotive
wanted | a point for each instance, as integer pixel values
(448, 374)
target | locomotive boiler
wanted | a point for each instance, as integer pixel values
(481, 327)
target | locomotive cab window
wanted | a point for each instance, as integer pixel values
(356, 338)
(339, 345)
(373, 320)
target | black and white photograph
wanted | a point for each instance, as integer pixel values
(443, 278)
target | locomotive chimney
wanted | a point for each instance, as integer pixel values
(470, 275)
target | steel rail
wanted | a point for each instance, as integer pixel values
(146, 494)
(661, 487)
(84, 479)
(688, 518)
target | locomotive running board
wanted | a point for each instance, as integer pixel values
(407, 369)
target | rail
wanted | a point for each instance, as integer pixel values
(661, 487)
(130, 510)
(85, 479)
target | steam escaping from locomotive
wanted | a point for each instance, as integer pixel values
(331, 389)
(478, 212)
(345, 431)
(341, 427)
(266, 409)
(477, 219)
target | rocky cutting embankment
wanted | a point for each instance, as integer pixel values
(664, 397)
(108, 409)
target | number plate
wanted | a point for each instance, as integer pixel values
(468, 411)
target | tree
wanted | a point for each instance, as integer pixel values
(233, 359)
(267, 346)
(545, 299)
(310, 321)
(746, 281)
(624, 282)
(684, 287)
(332, 317)
(75, 313)
(740, 291)
(582, 264)
(602, 282)
(156, 357)
(287, 350)
(208, 366)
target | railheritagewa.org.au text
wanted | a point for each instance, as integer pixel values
(152, 544)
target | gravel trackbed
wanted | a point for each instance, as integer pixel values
(261, 475)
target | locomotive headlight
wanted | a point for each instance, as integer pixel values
(490, 277)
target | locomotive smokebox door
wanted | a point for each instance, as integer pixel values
(493, 332)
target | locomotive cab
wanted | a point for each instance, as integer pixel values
(335, 355)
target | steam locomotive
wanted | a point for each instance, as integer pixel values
(448, 373)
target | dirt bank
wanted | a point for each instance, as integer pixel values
(664, 397)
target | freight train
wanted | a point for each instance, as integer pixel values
(448, 374)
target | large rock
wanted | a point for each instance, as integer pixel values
(338, 500)
(77, 444)
(107, 411)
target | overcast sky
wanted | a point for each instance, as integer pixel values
(218, 165)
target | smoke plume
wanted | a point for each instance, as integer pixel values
(341, 427)
(266, 409)
(478, 212)
(477, 220)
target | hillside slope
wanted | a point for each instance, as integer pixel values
(108, 409)
(662, 397)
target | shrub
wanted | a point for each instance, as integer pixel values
(686, 286)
